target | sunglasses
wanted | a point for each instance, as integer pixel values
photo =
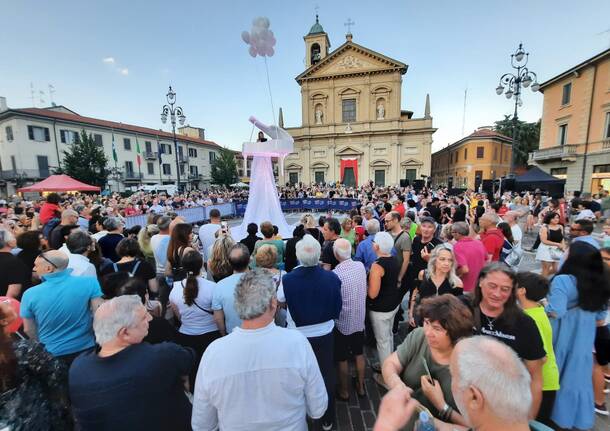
(48, 261)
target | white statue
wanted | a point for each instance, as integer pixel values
(380, 112)
(319, 115)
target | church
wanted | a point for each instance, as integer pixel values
(353, 127)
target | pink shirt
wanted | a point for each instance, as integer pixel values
(471, 253)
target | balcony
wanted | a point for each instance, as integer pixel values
(195, 177)
(150, 155)
(183, 158)
(22, 174)
(133, 176)
(566, 153)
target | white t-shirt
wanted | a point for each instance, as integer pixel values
(195, 321)
(159, 243)
(207, 236)
(517, 234)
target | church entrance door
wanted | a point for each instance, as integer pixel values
(349, 178)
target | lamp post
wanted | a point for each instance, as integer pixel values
(511, 85)
(173, 112)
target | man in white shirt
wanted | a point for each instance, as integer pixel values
(79, 245)
(159, 243)
(207, 233)
(229, 394)
(512, 218)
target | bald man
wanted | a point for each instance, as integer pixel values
(489, 383)
(491, 237)
(58, 312)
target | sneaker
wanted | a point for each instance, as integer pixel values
(327, 427)
(607, 391)
(601, 409)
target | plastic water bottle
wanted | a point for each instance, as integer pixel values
(425, 422)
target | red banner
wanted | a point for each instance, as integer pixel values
(349, 163)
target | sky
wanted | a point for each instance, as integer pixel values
(114, 59)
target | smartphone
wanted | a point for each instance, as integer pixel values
(427, 369)
(430, 246)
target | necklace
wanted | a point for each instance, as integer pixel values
(490, 322)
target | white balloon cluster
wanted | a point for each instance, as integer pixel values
(260, 38)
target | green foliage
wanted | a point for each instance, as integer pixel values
(528, 137)
(86, 161)
(224, 169)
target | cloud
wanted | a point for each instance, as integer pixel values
(114, 65)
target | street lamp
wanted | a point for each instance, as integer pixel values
(173, 112)
(512, 83)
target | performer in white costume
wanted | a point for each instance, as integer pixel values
(263, 200)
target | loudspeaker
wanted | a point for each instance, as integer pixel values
(404, 183)
(488, 187)
(418, 184)
(508, 184)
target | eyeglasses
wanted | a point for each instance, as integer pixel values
(48, 261)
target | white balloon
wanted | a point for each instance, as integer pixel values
(245, 36)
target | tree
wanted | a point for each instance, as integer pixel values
(86, 161)
(224, 169)
(528, 137)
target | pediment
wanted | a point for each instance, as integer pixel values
(349, 151)
(293, 167)
(320, 165)
(411, 162)
(351, 58)
(380, 163)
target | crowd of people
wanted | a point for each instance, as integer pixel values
(172, 325)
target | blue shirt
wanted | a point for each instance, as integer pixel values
(585, 238)
(365, 252)
(223, 299)
(60, 306)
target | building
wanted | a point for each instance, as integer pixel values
(353, 129)
(482, 155)
(575, 126)
(32, 142)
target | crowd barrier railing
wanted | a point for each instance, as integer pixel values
(190, 215)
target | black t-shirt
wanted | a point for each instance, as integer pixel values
(160, 330)
(435, 212)
(520, 333)
(13, 271)
(416, 264)
(108, 245)
(427, 288)
(145, 271)
(55, 238)
(138, 388)
(328, 256)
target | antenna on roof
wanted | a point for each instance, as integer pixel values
(51, 93)
(32, 94)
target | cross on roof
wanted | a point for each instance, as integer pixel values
(349, 23)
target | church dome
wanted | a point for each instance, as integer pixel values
(316, 28)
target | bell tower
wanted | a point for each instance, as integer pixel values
(316, 44)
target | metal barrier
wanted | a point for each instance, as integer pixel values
(190, 215)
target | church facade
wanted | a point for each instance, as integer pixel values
(353, 127)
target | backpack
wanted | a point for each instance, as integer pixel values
(131, 273)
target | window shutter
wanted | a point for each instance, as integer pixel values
(62, 136)
(47, 135)
(31, 132)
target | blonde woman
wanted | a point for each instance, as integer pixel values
(349, 233)
(144, 237)
(219, 266)
(439, 278)
(311, 227)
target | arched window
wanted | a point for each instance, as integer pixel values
(315, 53)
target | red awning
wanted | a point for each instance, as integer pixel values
(59, 183)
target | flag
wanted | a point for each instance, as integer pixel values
(138, 153)
(114, 156)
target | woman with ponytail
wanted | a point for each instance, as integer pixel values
(191, 301)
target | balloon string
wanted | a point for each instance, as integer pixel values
(270, 95)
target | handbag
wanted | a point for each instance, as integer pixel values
(555, 252)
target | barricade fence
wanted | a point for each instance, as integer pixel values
(238, 209)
